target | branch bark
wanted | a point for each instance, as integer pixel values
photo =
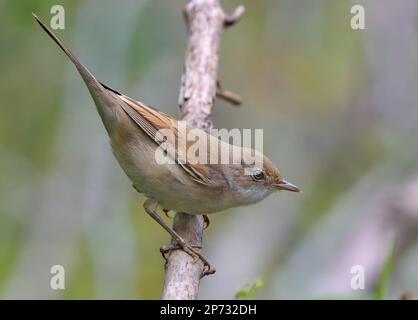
(205, 20)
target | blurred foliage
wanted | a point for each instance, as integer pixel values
(249, 290)
(385, 275)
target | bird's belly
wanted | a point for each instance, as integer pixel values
(168, 184)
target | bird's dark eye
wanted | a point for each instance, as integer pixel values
(258, 175)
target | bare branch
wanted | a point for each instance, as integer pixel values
(235, 16)
(205, 21)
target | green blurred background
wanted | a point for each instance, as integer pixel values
(339, 112)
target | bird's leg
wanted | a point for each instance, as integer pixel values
(207, 221)
(150, 205)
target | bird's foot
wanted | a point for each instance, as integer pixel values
(150, 205)
(191, 251)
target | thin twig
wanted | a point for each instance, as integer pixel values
(234, 17)
(230, 97)
(227, 95)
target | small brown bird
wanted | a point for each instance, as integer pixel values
(185, 185)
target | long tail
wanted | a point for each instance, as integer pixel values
(101, 96)
(85, 73)
(67, 51)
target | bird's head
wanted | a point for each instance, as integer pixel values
(255, 180)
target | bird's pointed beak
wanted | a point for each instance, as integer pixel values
(286, 185)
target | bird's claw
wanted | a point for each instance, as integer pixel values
(166, 211)
(190, 250)
(206, 220)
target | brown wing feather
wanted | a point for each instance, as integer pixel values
(150, 121)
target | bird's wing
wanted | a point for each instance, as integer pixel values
(151, 121)
(147, 118)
